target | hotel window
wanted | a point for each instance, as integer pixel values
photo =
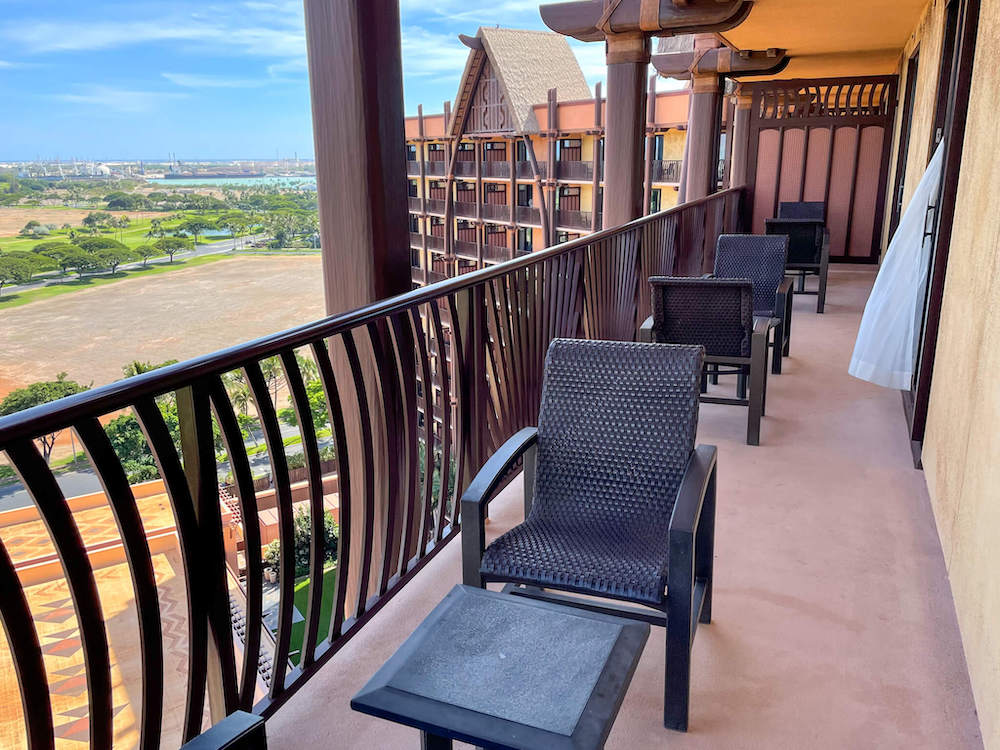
(524, 239)
(411, 188)
(654, 201)
(522, 151)
(414, 224)
(439, 191)
(435, 151)
(569, 199)
(493, 151)
(465, 192)
(525, 195)
(411, 152)
(466, 152)
(658, 147)
(570, 149)
(495, 194)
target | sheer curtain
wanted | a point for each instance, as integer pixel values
(885, 352)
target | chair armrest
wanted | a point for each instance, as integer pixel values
(646, 331)
(238, 731)
(477, 495)
(480, 491)
(691, 495)
(785, 286)
(761, 325)
(708, 276)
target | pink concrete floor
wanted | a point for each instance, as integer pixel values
(834, 625)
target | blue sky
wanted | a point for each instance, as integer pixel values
(218, 80)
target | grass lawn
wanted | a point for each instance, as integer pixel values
(10, 301)
(302, 604)
(133, 236)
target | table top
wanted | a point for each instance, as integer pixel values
(504, 671)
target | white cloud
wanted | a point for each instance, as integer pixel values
(427, 53)
(7, 64)
(119, 100)
(200, 81)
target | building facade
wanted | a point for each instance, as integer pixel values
(516, 165)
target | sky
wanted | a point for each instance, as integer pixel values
(102, 80)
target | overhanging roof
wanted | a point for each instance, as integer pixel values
(830, 37)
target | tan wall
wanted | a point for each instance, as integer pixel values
(962, 444)
(673, 144)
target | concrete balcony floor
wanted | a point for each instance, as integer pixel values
(833, 620)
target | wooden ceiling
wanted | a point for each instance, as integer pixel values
(830, 37)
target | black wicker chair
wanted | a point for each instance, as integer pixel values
(619, 503)
(761, 258)
(718, 315)
(804, 223)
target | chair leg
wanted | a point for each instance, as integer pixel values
(715, 375)
(704, 552)
(779, 339)
(758, 379)
(787, 324)
(704, 379)
(802, 282)
(677, 676)
(741, 383)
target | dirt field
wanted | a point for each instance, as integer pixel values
(13, 218)
(90, 334)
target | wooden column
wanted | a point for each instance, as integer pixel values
(424, 228)
(512, 197)
(356, 82)
(627, 57)
(356, 85)
(741, 140)
(595, 223)
(647, 181)
(702, 149)
(480, 199)
(551, 179)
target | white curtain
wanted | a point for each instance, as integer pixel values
(885, 352)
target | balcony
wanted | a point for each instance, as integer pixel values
(667, 170)
(574, 219)
(436, 205)
(525, 172)
(465, 168)
(496, 211)
(412, 168)
(413, 203)
(582, 171)
(788, 607)
(496, 169)
(436, 168)
(465, 209)
(528, 215)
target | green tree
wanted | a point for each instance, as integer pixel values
(302, 535)
(97, 220)
(111, 258)
(37, 394)
(194, 228)
(317, 406)
(63, 254)
(31, 228)
(14, 270)
(145, 252)
(171, 246)
(133, 451)
(138, 367)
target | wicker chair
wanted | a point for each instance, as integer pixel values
(619, 503)
(804, 223)
(718, 315)
(761, 258)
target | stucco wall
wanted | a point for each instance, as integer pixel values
(962, 444)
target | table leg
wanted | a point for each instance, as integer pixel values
(434, 742)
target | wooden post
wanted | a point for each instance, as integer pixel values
(647, 180)
(480, 199)
(551, 178)
(356, 82)
(702, 151)
(424, 228)
(356, 86)
(627, 57)
(741, 139)
(512, 197)
(595, 223)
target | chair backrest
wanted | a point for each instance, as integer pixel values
(616, 428)
(805, 239)
(714, 313)
(802, 210)
(758, 257)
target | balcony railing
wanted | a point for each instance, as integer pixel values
(436, 205)
(496, 169)
(465, 168)
(412, 168)
(465, 209)
(466, 249)
(575, 170)
(666, 170)
(413, 202)
(434, 242)
(524, 170)
(399, 473)
(436, 168)
(528, 215)
(497, 211)
(574, 219)
(416, 239)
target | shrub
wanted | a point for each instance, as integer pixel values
(301, 532)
